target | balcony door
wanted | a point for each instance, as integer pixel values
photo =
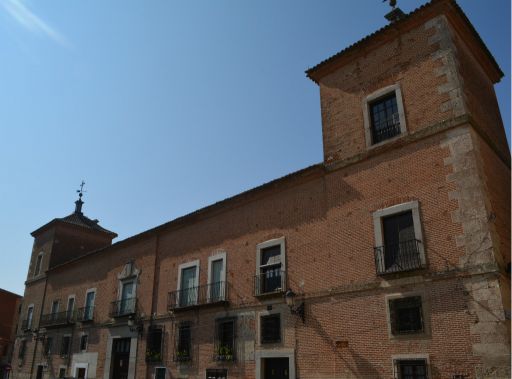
(188, 289)
(127, 298)
(399, 240)
(89, 305)
(217, 280)
(55, 310)
(270, 269)
(70, 308)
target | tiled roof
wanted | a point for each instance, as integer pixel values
(78, 219)
(310, 72)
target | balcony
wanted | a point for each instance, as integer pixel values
(125, 307)
(85, 314)
(270, 282)
(213, 293)
(57, 319)
(26, 325)
(402, 257)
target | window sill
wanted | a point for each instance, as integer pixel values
(387, 141)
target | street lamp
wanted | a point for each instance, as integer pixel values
(299, 309)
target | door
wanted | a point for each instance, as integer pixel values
(188, 290)
(89, 305)
(399, 241)
(80, 373)
(120, 358)
(127, 299)
(217, 285)
(276, 368)
(71, 307)
(39, 374)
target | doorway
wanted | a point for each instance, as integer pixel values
(39, 374)
(81, 373)
(120, 358)
(276, 368)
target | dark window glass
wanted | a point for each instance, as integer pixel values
(83, 342)
(384, 118)
(406, 315)
(400, 245)
(225, 340)
(270, 269)
(184, 343)
(160, 372)
(38, 264)
(154, 344)
(216, 373)
(271, 328)
(412, 369)
(48, 345)
(64, 347)
(62, 372)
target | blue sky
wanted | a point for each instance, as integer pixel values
(164, 107)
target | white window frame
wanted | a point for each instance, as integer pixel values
(159, 367)
(29, 324)
(383, 92)
(425, 306)
(396, 209)
(217, 257)
(273, 242)
(406, 357)
(36, 271)
(183, 266)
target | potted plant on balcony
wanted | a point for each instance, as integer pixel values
(224, 353)
(182, 355)
(153, 356)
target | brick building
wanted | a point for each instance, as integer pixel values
(387, 260)
(9, 310)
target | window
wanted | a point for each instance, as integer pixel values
(83, 342)
(271, 328)
(405, 315)
(22, 349)
(71, 307)
(411, 368)
(30, 315)
(188, 284)
(55, 308)
(127, 303)
(270, 270)
(384, 116)
(217, 278)
(216, 373)
(62, 372)
(184, 343)
(48, 346)
(88, 311)
(65, 345)
(224, 340)
(154, 344)
(39, 262)
(398, 239)
(160, 372)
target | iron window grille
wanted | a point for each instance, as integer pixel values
(216, 373)
(411, 369)
(84, 339)
(154, 344)
(48, 346)
(184, 343)
(65, 346)
(385, 120)
(225, 340)
(406, 315)
(271, 328)
(62, 372)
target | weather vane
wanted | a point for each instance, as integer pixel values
(395, 14)
(392, 3)
(81, 190)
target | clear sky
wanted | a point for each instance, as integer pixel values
(164, 107)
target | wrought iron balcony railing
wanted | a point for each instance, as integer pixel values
(124, 307)
(271, 281)
(26, 325)
(57, 319)
(404, 256)
(196, 296)
(85, 314)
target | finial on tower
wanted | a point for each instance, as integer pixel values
(79, 202)
(395, 14)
